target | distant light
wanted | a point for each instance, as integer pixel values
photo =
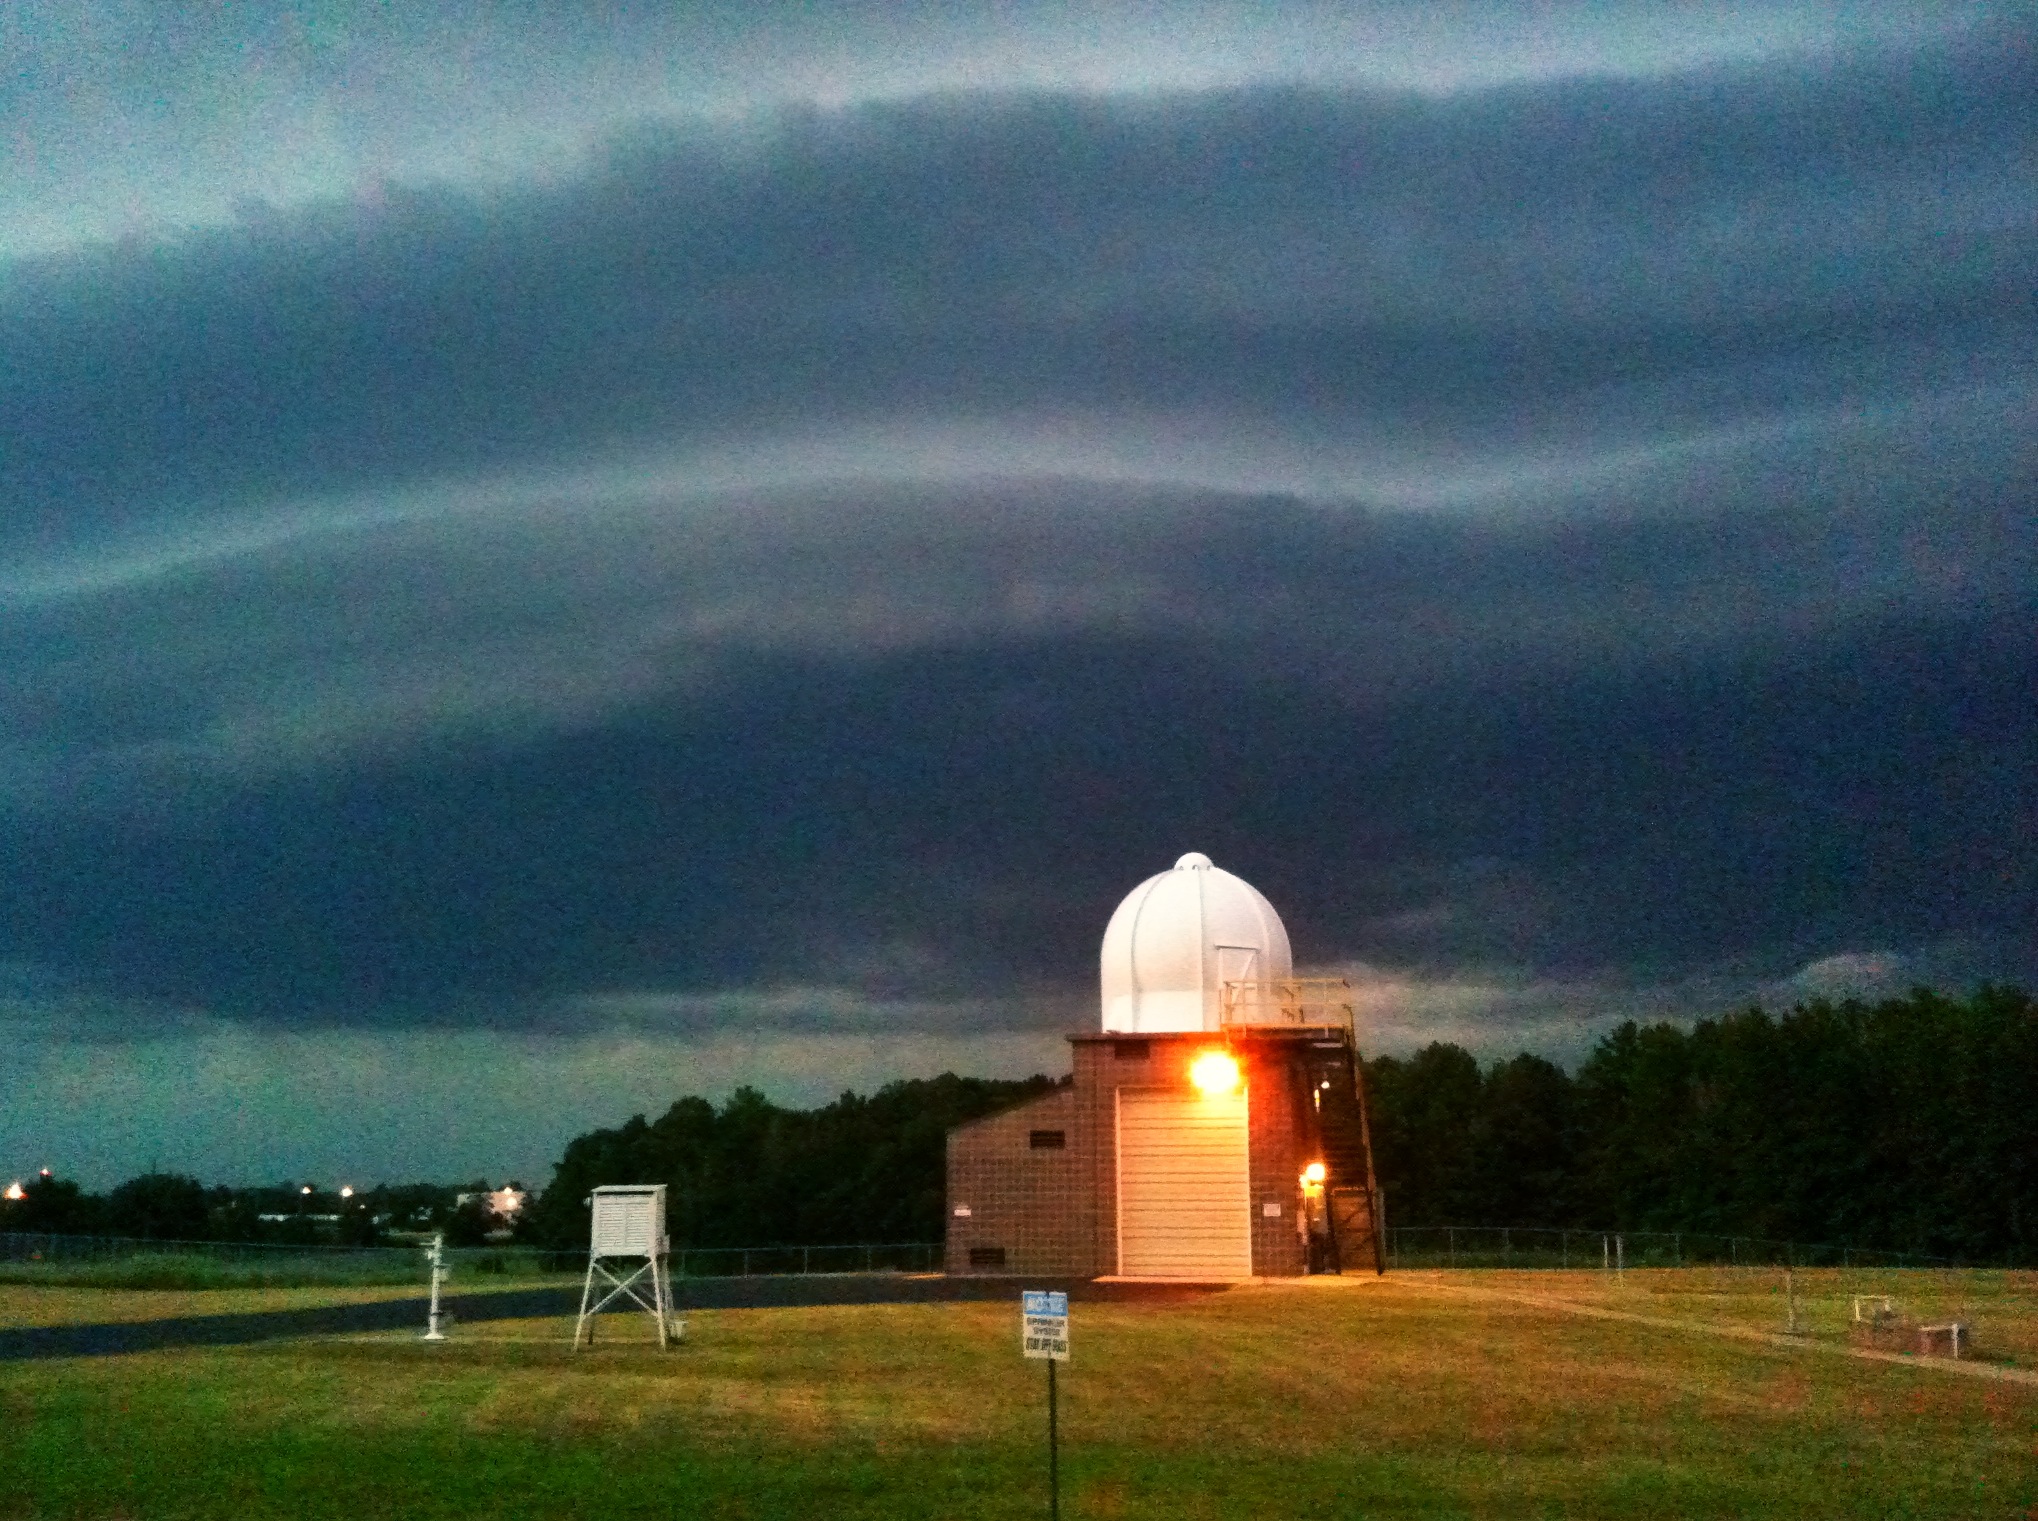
(1324, 1084)
(346, 1190)
(306, 1189)
(1313, 1173)
(44, 1173)
(1214, 1072)
(15, 1190)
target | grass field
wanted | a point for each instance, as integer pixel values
(1434, 1394)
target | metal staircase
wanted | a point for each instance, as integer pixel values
(1319, 1010)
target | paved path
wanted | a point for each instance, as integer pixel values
(116, 1338)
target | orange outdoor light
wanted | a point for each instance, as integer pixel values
(1214, 1072)
(1313, 1173)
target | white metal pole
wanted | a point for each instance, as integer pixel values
(658, 1290)
(436, 1254)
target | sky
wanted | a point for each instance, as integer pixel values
(553, 558)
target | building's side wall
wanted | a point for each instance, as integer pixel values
(1025, 1200)
(1280, 1147)
(1056, 1211)
(1097, 1123)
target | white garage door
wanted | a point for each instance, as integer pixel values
(1184, 1196)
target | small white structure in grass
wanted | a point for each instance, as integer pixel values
(435, 1254)
(629, 1225)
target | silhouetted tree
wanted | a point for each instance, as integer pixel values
(56, 1205)
(163, 1206)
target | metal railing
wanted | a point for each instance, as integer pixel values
(253, 1259)
(1496, 1246)
(1306, 1001)
(1407, 1246)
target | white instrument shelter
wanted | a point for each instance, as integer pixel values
(629, 1223)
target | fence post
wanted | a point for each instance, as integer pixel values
(1451, 1243)
(1620, 1255)
(1677, 1247)
(1564, 1248)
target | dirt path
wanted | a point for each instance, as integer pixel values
(1737, 1333)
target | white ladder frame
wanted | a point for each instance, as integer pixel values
(659, 1307)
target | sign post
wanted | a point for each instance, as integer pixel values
(1044, 1333)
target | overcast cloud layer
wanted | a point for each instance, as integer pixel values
(717, 547)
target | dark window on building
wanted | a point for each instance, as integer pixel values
(987, 1256)
(1131, 1050)
(1047, 1140)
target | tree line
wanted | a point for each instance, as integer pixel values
(862, 1169)
(1909, 1124)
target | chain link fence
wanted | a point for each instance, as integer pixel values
(1495, 1246)
(34, 1255)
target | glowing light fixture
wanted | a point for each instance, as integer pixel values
(306, 1189)
(1214, 1072)
(15, 1191)
(1313, 1173)
(346, 1190)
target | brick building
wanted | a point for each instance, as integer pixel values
(1213, 1129)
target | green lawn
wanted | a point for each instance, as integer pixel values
(1325, 1398)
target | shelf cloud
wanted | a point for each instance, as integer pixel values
(711, 524)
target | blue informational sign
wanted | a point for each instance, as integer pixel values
(1044, 1324)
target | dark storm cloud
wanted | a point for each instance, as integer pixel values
(916, 829)
(128, 118)
(379, 638)
(1559, 264)
(829, 555)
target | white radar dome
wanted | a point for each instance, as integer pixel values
(1177, 938)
